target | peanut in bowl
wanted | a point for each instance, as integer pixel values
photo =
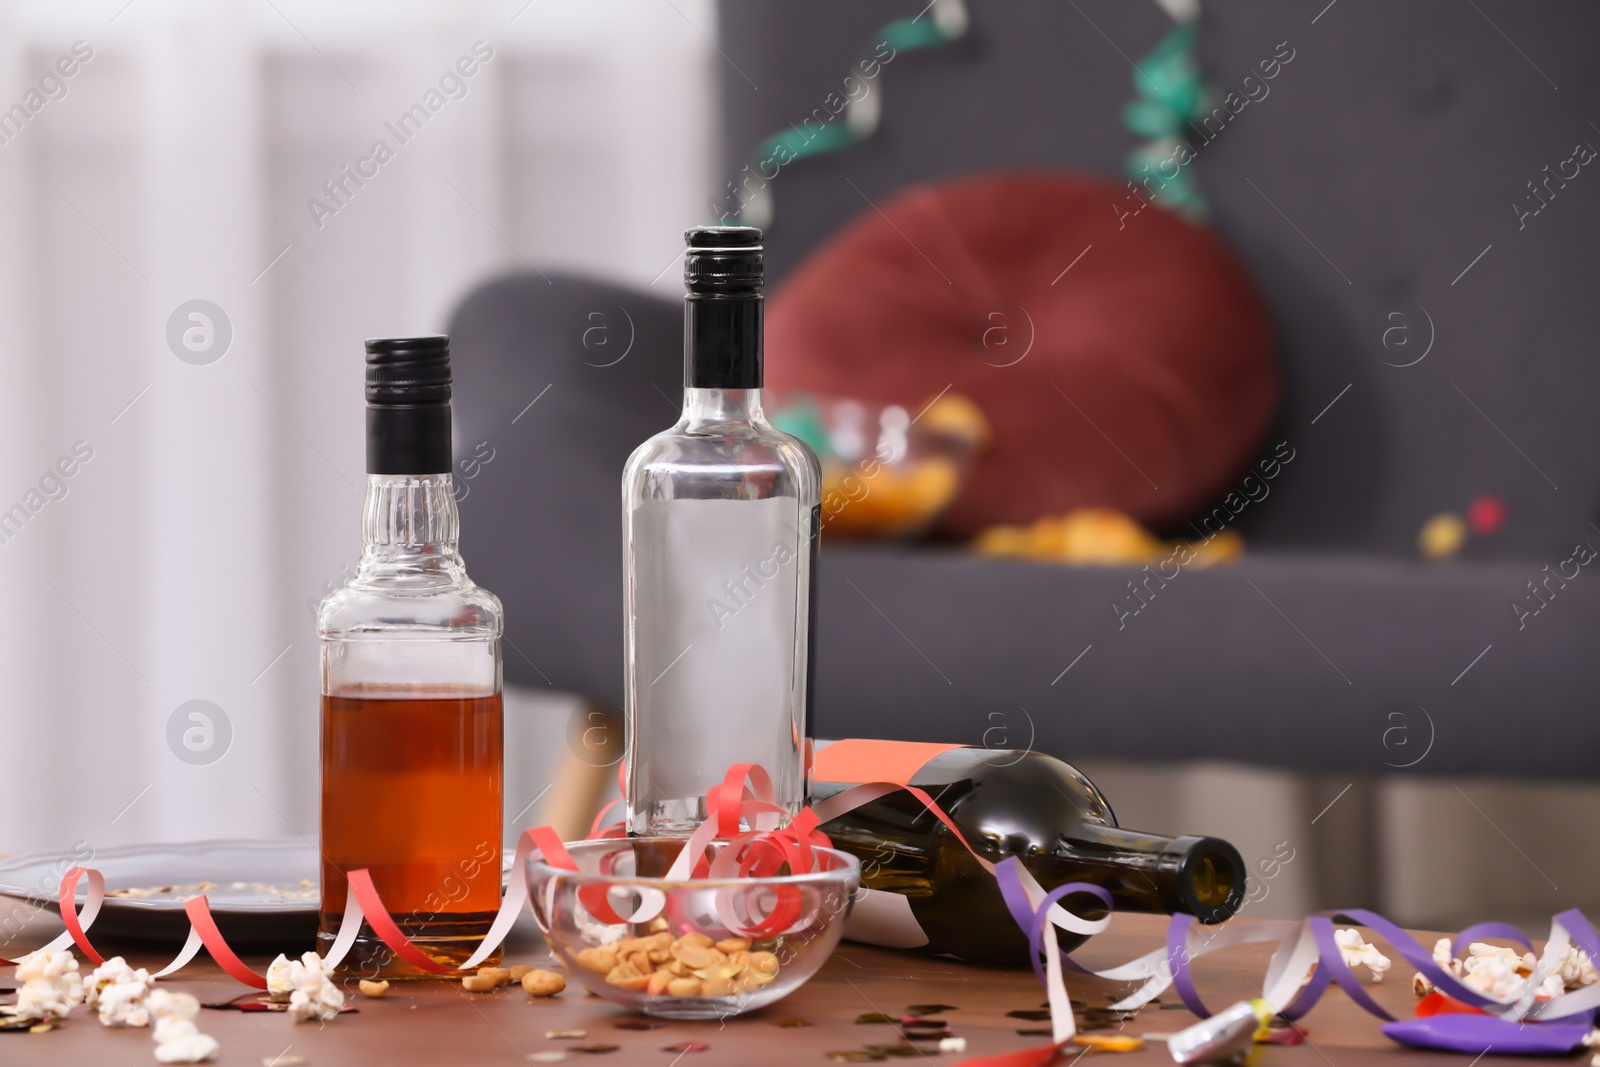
(704, 948)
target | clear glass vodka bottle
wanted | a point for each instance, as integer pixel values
(720, 520)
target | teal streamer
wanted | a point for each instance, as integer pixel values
(1172, 97)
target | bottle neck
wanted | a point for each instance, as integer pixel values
(722, 338)
(409, 524)
(1201, 876)
(710, 409)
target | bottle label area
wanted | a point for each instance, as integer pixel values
(717, 588)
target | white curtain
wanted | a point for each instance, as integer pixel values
(216, 495)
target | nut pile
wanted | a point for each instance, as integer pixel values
(694, 965)
(534, 982)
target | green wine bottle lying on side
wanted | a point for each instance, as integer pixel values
(923, 889)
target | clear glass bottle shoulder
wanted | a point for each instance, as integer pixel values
(712, 461)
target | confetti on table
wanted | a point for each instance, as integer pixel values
(1287, 1036)
(1109, 1042)
(1031, 1014)
(929, 1009)
(874, 1017)
(790, 1022)
(899, 1051)
(555, 1035)
(687, 1046)
(596, 1049)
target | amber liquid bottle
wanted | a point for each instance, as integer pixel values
(924, 889)
(411, 708)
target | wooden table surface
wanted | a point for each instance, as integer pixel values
(438, 1023)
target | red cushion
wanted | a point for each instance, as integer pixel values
(1149, 382)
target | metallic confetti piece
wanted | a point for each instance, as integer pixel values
(1288, 1036)
(926, 1035)
(874, 1017)
(791, 1022)
(554, 1035)
(687, 1046)
(1031, 1014)
(637, 1024)
(929, 1009)
(1109, 1042)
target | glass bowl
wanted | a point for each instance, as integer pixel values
(886, 473)
(697, 949)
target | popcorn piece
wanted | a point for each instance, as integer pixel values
(279, 982)
(315, 996)
(1356, 952)
(306, 985)
(119, 992)
(51, 986)
(1494, 976)
(1576, 970)
(178, 1039)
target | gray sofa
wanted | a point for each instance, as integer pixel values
(1377, 179)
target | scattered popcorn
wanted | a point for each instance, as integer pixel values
(1494, 976)
(119, 992)
(1356, 952)
(51, 986)
(306, 985)
(178, 1039)
(1576, 969)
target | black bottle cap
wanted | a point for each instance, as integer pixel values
(408, 405)
(722, 324)
(723, 259)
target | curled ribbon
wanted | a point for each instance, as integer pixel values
(744, 836)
